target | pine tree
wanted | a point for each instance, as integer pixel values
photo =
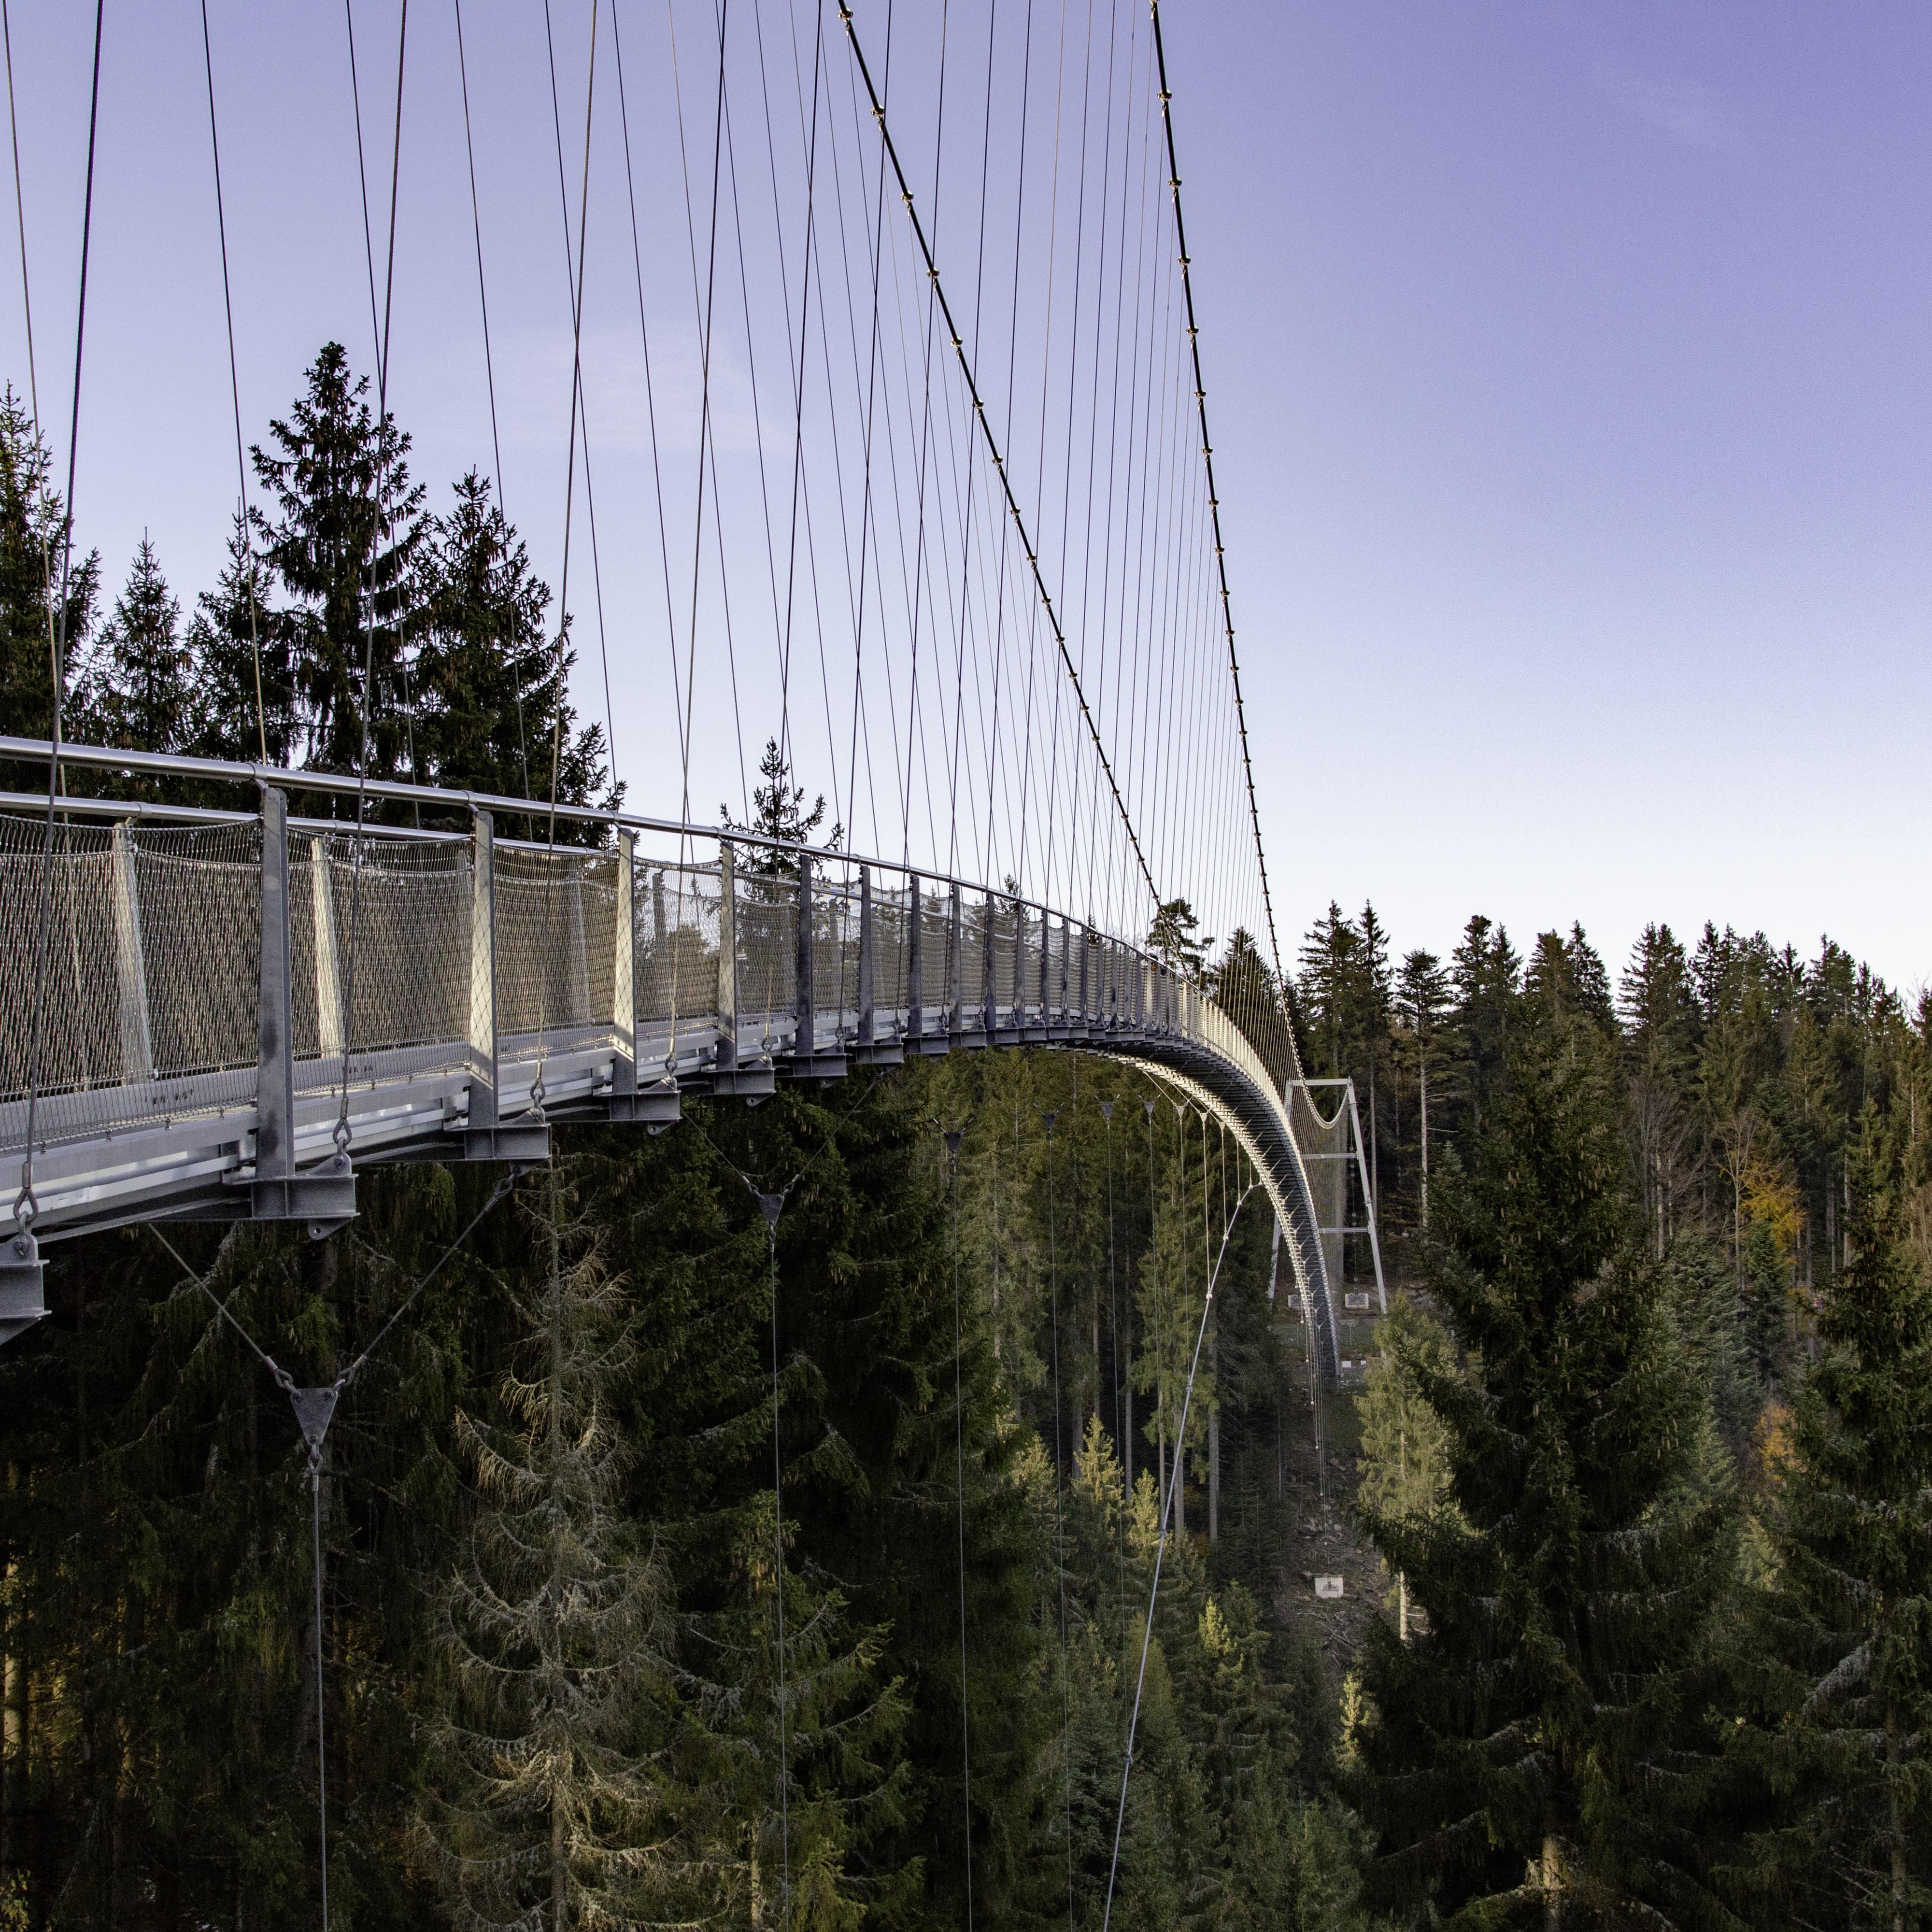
(1847, 1746)
(778, 812)
(540, 1809)
(345, 534)
(489, 679)
(1175, 938)
(138, 687)
(1532, 1756)
(1403, 1461)
(1332, 975)
(1485, 973)
(230, 634)
(1422, 1000)
(33, 528)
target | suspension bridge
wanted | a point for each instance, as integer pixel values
(1012, 546)
(913, 483)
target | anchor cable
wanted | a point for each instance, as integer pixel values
(1160, 1552)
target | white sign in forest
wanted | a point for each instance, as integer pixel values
(1328, 1586)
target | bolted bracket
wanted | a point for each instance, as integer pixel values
(323, 1196)
(22, 1284)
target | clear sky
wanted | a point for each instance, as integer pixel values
(1570, 378)
(1567, 366)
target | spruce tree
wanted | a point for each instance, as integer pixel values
(343, 538)
(33, 528)
(138, 688)
(490, 681)
(541, 1810)
(1422, 1000)
(1847, 1745)
(231, 631)
(1532, 1756)
(1403, 1462)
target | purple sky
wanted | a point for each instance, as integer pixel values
(1570, 378)
(1568, 368)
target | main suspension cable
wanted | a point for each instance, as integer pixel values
(1213, 495)
(979, 408)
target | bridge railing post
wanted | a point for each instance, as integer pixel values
(325, 1196)
(989, 981)
(956, 965)
(726, 1057)
(915, 992)
(805, 1017)
(866, 943)
(483, 973)
(624, 972)
(130, 969)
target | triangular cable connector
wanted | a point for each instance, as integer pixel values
(770, 1206)
(315, 1409)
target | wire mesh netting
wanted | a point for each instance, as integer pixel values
(835, 955)
(675, 909)
(151, 959)
(557, 925)
(379, 957)
(766, 910)
(891, 957)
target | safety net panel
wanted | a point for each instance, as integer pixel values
(675, 907)
(556, 915)
(148, 980)
(379, 954)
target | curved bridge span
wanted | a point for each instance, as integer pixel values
(239, 1009)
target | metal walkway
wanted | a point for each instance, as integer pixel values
(242, 1008)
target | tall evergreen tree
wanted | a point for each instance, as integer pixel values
(1847, 1744)
(240, 650)
(343, 539)
(1530, 1757)
(33, 528)
(489, 682)
(541, 1810)
(1422, 1000)
(137, 688)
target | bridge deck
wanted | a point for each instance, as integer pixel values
(221, 1015)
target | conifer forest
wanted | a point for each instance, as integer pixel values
(755, 1524)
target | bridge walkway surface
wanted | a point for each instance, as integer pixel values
(238, 1009)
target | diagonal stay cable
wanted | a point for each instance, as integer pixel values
(992, 442)
(771, 1205)
(1160, 1547)
(314, 1410)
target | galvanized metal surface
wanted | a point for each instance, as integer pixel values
(241, 1010)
